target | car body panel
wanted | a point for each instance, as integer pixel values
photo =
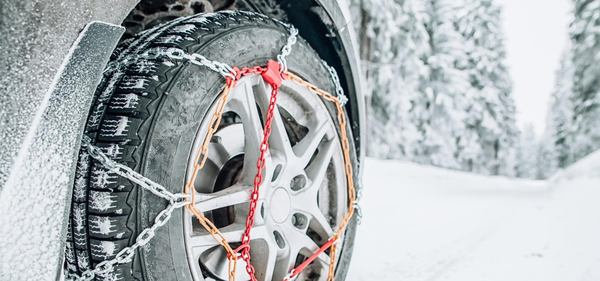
(36, 38)
(340, 14)
(35, 199)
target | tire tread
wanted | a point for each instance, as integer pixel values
(101, 221)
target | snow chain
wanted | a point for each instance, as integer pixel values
(273, 74)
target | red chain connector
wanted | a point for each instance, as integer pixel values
(272, 74)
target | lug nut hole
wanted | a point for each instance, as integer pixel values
(298, 182)
(276, 172)
(299, 221)
(279, 239)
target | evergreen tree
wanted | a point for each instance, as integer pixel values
(491, 125)
(437, 112)
(559, 123)
(546, 158)
(438, 90)
(395, 40)
(586, 84)
(527, 154)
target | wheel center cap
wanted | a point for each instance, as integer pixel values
(280, 205)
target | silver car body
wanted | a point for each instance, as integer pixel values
(53, 56)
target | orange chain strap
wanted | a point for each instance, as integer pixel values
(201, 156)
(332, 242)
(199, 162)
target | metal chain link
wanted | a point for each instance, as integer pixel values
(199, 161)
(343, 100)
(358, 208)
(287, 48)
(352, 203)
(179, 200)
(258, 180)
(176, 201)
(339, 91)
(226, 70)
(222, 68)
(126, 172)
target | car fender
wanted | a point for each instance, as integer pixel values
(35, 198)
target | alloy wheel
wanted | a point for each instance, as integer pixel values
(303, 196)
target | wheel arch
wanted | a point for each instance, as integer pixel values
(324, 24)
(327, 26)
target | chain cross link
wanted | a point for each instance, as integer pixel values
(176, 201)
(222, 68)
(339, 91)
(287, 48)
(126, 172)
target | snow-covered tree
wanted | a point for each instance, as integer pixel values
(527, 154)
(491, 110)
(438, 112)
(393, 43)
(438, 89)
(559, 123)
(586, 84)
(547, 163)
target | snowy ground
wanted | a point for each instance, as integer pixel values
(428, 224)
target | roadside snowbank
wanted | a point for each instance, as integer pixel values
(588, 167)
(424, 223)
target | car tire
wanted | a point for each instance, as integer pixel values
(146, 113)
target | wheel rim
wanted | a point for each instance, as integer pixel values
(303, 196)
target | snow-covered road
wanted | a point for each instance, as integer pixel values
(428, 224)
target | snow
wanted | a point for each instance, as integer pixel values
(116, 127)
(454, 226)
(134, 84)
(101, 224)
(101, 200)
(107, 248)
(184, 28)
(36, 38)
(82, 260)
(588, 167)
(102, 177)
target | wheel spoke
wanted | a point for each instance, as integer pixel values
(287, 260)
(217, 153)
(215, 256)
(317, 171)
(322, 222)
(299, 243)
(268, 264)
(278, 140)
(244, 104)
(231, 233)
(306, 148)
(233, 195)
(317, 219)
